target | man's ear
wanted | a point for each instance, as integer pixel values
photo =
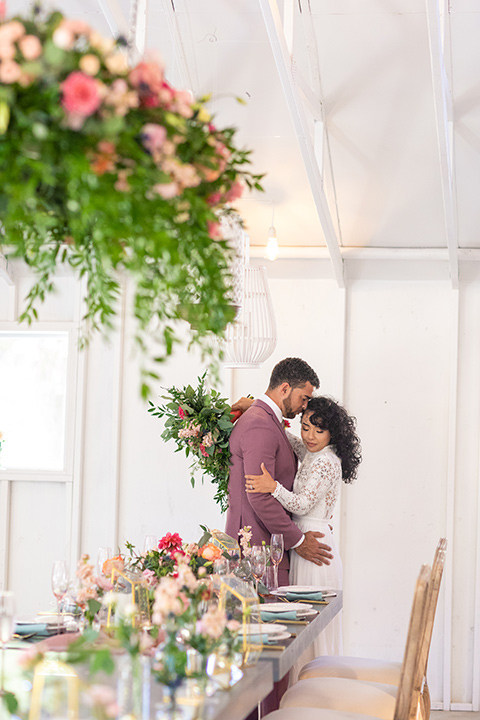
(285, 389)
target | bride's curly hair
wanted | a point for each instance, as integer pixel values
(329, 415)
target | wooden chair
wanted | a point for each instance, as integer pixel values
(336, 698)
(382, 671)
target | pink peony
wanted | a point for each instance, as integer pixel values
(30, 47)
(80, 94)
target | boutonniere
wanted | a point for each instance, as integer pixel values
(286, 423)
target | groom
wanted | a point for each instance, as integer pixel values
(259, 436)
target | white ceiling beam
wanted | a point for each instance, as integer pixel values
(271, 17)
(138, 27)
(444, 127)
(314, 252)
(184, 77)
(6, 270)
(117, 22)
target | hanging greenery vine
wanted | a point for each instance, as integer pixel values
(111, 170)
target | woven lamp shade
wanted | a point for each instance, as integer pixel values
(252, 338)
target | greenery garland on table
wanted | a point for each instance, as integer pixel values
(200, 422)
(111, 170)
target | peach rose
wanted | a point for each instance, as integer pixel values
(10, 72)
(210, 552)
(115, 562)
(89, 64)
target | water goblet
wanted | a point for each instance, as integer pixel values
(258, 560)
(103, 554)
(276, 555)
(150, 542)
(7, 618)
(59, 584)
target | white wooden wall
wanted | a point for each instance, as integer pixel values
(402, 354)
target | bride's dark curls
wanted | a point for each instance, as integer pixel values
(329, 415)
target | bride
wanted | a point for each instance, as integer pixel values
(330, 451)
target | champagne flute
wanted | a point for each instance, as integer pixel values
(103, 554)
(258, 560)
(276, 555)
(59, 584)
(7, 617)
(150, 542)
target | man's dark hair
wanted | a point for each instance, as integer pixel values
(295, 372)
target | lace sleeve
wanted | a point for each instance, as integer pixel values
(297, 445)
(322, 476)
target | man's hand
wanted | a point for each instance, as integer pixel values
(312, 550)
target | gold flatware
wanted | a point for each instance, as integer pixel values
(290, 622)
(317, 602)
(274, 647)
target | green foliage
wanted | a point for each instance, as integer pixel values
(10, 701)
(130, 189)
(200, 422)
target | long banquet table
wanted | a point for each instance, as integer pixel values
(257, 682)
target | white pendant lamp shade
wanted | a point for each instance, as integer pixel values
(252, 338)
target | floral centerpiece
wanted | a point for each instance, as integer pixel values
(110, 169)
(200, 422)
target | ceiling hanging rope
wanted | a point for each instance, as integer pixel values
(132, 50)
(252, 337)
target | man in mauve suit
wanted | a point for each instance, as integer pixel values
(259, 436)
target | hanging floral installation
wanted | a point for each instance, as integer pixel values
(111, 170)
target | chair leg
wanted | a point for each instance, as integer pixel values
(426, 701)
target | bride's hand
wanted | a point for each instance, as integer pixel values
(263, 483)
(243, 404)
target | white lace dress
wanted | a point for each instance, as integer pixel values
(315, 492)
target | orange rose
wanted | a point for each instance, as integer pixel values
(210, 552)
(115, 562)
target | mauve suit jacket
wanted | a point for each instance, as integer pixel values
(258, 437)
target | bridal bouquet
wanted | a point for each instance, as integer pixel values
(200, 422)
(110, 169)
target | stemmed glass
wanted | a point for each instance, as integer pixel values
(7, 617)
(150, 542)
(59, 584)
(258, 560)
(276, 555)
(103, 554)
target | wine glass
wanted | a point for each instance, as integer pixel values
(7, 617)
(59, 584)
(276, 555)
(258, 560)
(150, 542)
(103, 554)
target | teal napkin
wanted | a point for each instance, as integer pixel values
(257, 639)
(312, 595)
(29, 628)
(270, 616)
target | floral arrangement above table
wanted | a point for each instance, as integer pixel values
(110, 169)
(200, 422)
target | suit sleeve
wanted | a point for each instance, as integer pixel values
(266, 508)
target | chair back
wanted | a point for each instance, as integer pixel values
(432, 600)
(411, 678)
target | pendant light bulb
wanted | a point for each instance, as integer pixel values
(272, 244)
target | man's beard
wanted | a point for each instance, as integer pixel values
(287, 408)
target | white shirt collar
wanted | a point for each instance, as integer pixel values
(268, 401)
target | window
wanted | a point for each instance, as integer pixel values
(33, 395)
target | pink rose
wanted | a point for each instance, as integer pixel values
(202, 450)
(80, 94)
(147, 77)
(181, 413)
(10, 72)
(12, 31)
(235, 192)
(153, 136)
(214, 199)
(7, 50)
(30, 47)
(214, 230)
(167, 190)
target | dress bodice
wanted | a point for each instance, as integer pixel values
(317, 483)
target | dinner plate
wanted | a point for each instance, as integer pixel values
(279, 607)
(327, 592)
(280, 636)
(263, 629)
